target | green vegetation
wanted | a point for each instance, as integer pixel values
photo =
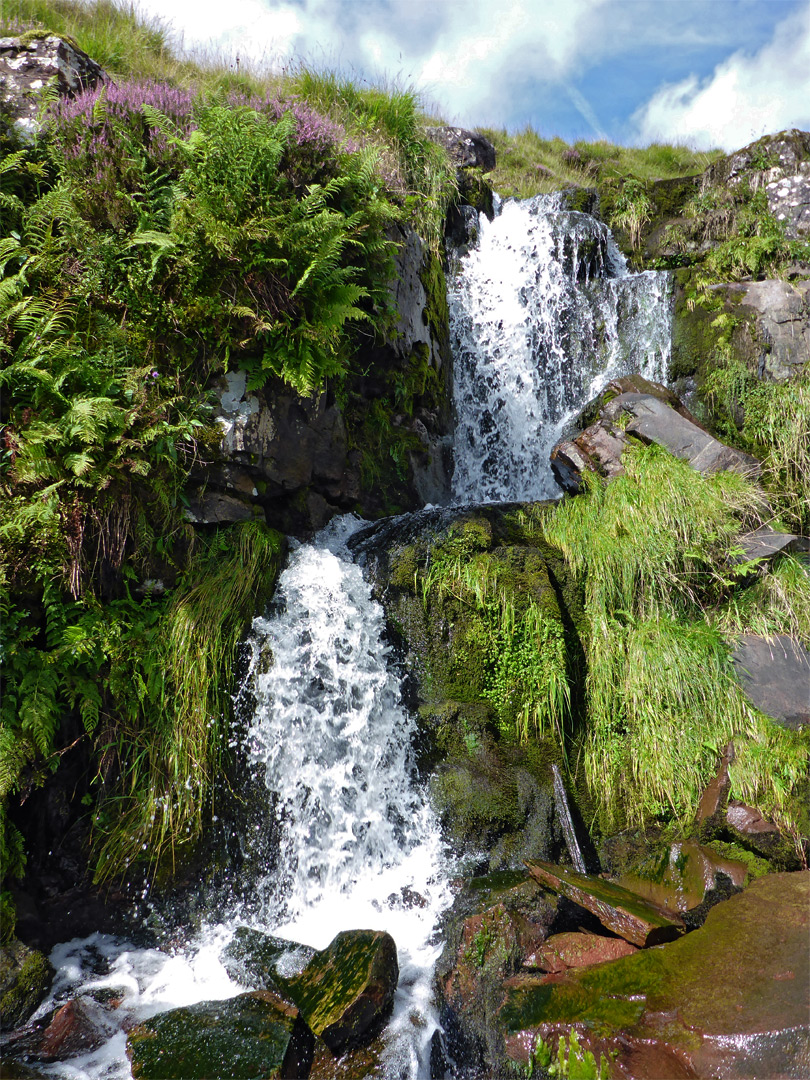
(649, 549)
(529, 164)
(572, 1061)
(182, 218)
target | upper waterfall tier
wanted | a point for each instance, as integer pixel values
(543, 314)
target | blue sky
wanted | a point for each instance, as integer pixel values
(702, 72)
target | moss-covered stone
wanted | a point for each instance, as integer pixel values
(256, 1034)
(25, 978)
(346, 991)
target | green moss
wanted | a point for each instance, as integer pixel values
(757, 867)
(25, 977)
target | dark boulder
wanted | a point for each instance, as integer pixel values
(466, 149)
(256, 1034)
(346, 991)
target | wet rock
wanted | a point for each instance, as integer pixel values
(263, 961)
(496, 922)
(346, 991)
(216, 508)
(561, 952)
(256, 1034)
(659, 1013)
(714, 798)
(25, 978)
(365, 1061)
(30, 63)
(747, 826)
(75, 1028)
(775, 675)
(467, 149)
(618, 909)
(678, 879)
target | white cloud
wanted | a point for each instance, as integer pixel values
(746, 96)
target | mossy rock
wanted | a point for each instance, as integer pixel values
(255, 1034)
(25, 978)
(346, 991)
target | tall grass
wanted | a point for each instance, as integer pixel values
(653, 551)
(170, 760)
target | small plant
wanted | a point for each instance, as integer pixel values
(632, 210)
(572, 1061)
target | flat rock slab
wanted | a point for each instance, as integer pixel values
(346, 991)
(254, 1035)
(684, 876)
(728, 1001)
(656, 422)
(775, 675)
(767, 545)
(561, 952)
(620, 910)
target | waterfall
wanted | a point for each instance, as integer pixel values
(543, 313)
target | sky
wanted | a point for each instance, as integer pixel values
(706, 73)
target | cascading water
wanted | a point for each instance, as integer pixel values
(359, 847)
(543, 313)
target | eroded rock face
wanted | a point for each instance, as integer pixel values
(661, 1013)
(28, 64)
(496, 924)
(296, 461)
(562, 952)
(781, 164)
(256, 1034)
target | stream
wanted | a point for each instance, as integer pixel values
(543, 313)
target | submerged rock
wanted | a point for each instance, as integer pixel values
(261, 960)
(25, 977)
(346, 991)
(729, 1000)
(256, 1034)
(618, 909)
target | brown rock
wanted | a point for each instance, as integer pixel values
(74, 1029)
(620, 910)
(713, 799)
(731, 1000)
(561, 952)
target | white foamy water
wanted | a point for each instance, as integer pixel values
(543, 314)
(359, 847)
